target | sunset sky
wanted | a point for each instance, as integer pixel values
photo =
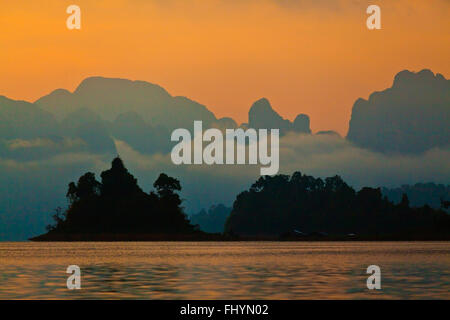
(306, 56)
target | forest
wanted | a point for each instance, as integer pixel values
(275, 207)
(304, 205)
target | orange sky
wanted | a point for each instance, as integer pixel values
(306, 56)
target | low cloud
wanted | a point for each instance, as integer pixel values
(325, 155)
(44, 143)
(319, 155)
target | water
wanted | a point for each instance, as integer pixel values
(224, 270)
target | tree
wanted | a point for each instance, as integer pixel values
(405, 201)
(445, 204)
(166, 185)
(117, 181)
(58, 217)
(87, 186)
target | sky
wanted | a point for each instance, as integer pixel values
(306, 56)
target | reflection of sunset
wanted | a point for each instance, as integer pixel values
(314, 59)
(218, 270)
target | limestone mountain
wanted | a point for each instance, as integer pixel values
(111, 97)
(410, 117)
(263, 116)
(24, 120)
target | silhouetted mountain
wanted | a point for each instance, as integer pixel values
(27, 132)
(224, 123)
(78, 118)
(410, 117)
(212, 220)
(59, 102)
(420, 194)
(283, 204)
(112, 97)
(23, 120)
(100, 110)
(89, 127)
(262, 116)
(301, 124)
(143, 114)
(131, 128)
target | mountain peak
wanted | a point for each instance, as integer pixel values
(263, 116)
(425, 76)
(302, 123)
(262, 104)
(103, 84)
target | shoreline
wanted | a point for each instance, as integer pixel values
(207, 237)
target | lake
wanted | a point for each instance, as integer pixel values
(225, 270)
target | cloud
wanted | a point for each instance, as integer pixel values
(320, 155)
(326, 155)
(44, 143)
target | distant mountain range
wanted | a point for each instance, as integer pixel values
(110, 98)
(102, 109)
(410, 117)
(420, 194)
(213, 220)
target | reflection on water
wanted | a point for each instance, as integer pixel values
(224, 270)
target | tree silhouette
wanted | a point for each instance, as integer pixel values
(404, 203)
(118, 205)
(281, 204)
(117, 181)
(166, 185)
(87, 186)
(445, 204)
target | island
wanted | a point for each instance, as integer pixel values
(281, 207)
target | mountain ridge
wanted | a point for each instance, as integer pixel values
(412, 116)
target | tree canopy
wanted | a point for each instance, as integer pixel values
(281, 204)
(117, 204)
